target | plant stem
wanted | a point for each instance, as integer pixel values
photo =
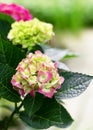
(11, 116)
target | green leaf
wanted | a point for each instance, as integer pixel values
(70, 55)
(5, 24)
(57, 54)
(74, 84)
(8, 107)
(10, 54)
(62, 66)
(32, 104)
(6, 89)
(37, 47)
(50, 114)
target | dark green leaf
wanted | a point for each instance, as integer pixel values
(74, 84)
(5, 24)
(50, 114)
(32, 104)
(6, 89)
(10, 54)
(37, 47)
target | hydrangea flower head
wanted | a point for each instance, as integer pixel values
(37, 73)
(29, 33)
(15, 11)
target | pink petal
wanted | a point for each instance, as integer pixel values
(38, 52)
(21, 92)
(30, 55)
(61, 80)
(15, 83)
(58, 87)
(47, 78)
(32, 93)
(56, 64)
(47, 94)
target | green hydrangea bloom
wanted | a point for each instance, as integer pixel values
(28, 33)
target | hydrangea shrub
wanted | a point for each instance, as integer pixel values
(29, 78)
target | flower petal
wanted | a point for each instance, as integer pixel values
(47, 93)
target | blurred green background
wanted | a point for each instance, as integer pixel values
(63, 14)
(68, 18)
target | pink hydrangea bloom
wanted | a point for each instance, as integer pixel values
(15, 11)
(37, 73)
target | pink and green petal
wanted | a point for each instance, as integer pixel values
(47, 93)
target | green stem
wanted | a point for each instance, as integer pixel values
(12, 115)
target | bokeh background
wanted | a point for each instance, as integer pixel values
(73, 26)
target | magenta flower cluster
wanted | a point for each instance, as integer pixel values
(15, 11)
(37, 73)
